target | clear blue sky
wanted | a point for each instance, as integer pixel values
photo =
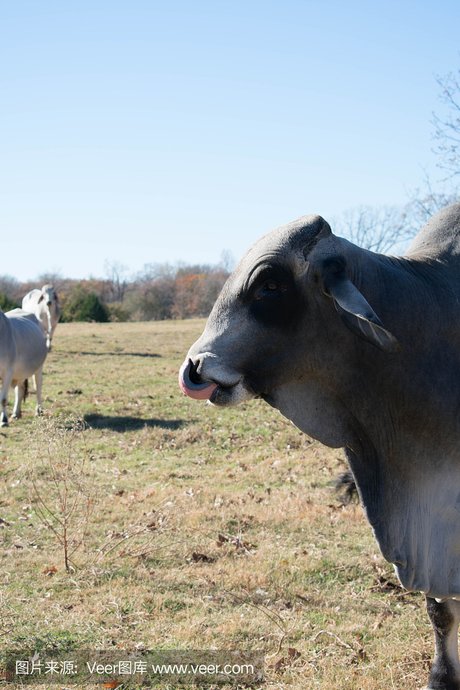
(148, 131)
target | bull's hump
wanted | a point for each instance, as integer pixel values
(297, 234)
(439, 239)
(294, 236)
(305, 227)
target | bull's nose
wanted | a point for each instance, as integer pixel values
(192, 384)
(193, 374)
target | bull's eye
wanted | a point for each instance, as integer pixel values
(272, 297)
(268, 288)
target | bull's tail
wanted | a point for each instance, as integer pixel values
(26, 389)
(346, 487)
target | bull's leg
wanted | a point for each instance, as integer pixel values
(445, 617)
(38, 387)
(19, 392)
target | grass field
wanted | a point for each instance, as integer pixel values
(188, 527)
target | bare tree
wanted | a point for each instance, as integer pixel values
(425, 202)
(227, 261)
(151, 300)
(152, 271)
(117, 280)
(447, 126)
(10, 286)
(51, 278)
(381, 229)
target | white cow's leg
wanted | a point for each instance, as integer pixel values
(6, 383)
(38, 386)
(445, 618)
(19, 392)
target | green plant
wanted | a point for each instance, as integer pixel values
(6, 303)
(83, 305)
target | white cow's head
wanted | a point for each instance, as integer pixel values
(49, 303)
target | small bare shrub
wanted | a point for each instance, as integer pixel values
(61, 489)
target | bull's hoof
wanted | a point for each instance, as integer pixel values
(4, 422)
(38, 412)
(16, 416)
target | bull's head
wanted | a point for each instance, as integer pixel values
(285, 319)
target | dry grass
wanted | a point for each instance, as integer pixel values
(206, 528)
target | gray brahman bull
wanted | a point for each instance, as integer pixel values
(22, 353)
(360, 351)
(44, 304)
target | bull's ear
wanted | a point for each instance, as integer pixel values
(354, 310)
(41, 298)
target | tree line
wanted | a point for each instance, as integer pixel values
(164, 291)
(158, 292)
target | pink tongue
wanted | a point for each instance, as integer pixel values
(200, 392)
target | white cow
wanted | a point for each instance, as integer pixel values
(22, 353)
(44, 304)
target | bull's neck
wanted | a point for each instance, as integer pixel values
(376, 273)
(410, 296)
(395, 391)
